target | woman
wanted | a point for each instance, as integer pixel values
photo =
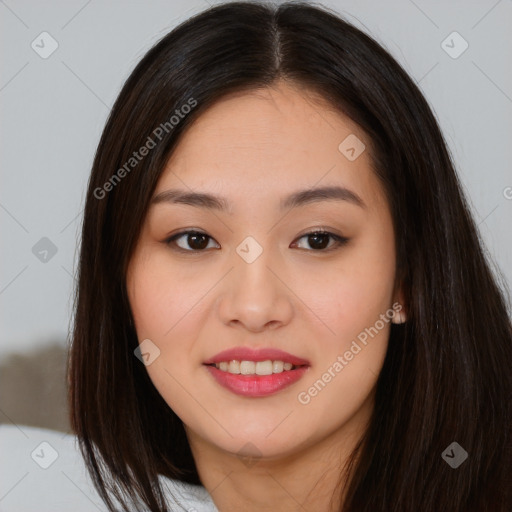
(282, 294)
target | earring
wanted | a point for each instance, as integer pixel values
(399, 317)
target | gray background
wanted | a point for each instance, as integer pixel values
(53, 111)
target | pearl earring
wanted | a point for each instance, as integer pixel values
(401, 317)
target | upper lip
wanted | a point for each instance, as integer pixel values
(256, 354)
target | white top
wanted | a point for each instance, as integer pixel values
(43, 471)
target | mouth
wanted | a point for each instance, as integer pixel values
(256, 373)
(244, 367)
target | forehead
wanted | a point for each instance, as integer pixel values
(269, 141)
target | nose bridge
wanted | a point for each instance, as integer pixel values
(254, 296)
(252, 271)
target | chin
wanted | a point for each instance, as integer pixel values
(258, 444)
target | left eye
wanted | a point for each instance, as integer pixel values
(198, 241)
(319, 240)
(195, 239)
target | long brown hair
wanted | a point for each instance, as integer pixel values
(446, 375)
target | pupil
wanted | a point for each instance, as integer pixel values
(198, 245)
(319, 245)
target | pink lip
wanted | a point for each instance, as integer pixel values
(256, 385)
(261, 354)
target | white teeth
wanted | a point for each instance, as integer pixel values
(247, 367)
(264, 368)
(277, 367)
(234, 367)
(267, 367)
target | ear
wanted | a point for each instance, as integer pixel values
(399, 306)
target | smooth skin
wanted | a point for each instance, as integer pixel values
(194, 297)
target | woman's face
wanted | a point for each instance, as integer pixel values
(253, 281)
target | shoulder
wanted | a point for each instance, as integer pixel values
(193, 498)
(43, 470)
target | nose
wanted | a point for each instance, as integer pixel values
(255, 296)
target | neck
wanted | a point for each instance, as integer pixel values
(310, 479)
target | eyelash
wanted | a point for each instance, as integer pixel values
(340, 241)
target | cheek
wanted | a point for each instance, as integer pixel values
(351, 359)
(151, 306)
(159, 298)
(164, 312)
(355, 292)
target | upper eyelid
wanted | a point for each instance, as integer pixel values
(320, 230)
(199, 232)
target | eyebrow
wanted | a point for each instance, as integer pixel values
(294, 200)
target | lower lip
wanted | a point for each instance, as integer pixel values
(256, 385)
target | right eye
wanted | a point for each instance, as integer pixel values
(196, 241)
